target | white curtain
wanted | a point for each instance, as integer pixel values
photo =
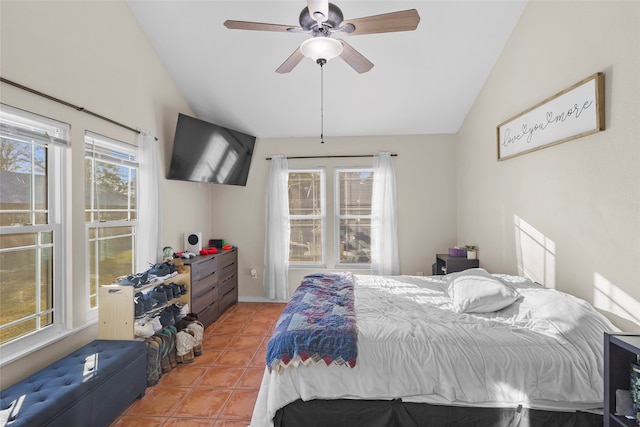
(276, 248)
(384, 217)
(148, 239)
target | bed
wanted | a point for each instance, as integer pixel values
(468, 348)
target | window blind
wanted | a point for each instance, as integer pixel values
(23, 126)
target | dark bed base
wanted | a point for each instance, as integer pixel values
(395, 413)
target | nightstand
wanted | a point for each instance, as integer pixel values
(446, 264)
(619, 351)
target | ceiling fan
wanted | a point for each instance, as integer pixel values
(321, 20)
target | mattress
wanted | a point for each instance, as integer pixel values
(543, 351)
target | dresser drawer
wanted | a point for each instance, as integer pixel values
(229, 290)
(228, 272)
(227, 258)
(204, 268)
(228, 300)
(199, 286)
(208, 314)
(228, 285)
(205, 297)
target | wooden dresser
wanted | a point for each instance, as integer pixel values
(214, 284)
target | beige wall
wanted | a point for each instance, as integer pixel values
(578, 201)
(425, 190)
(91, 54)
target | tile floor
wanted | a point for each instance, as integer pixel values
(220, 387)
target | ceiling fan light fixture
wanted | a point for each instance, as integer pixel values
(321, 48)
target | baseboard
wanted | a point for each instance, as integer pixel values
(260, 299)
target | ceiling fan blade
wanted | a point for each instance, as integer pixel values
(405, 20)
(258, 26)
(291, 62)
(354, 58)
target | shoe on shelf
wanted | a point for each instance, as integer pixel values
(150, 303)
(160, 295)
(156, 324)
(154, 371)
(176, 290)
(176, 309)
(186, 320)
(184, 312)
(135, 280)
(161, 270)
(143, 329)
(197, 329)
(174, 333)
(138, 304)
(184, 346)
(165, 362)
(183, 289)
(162, 354)
(170, 333)
(167, 290)
(167, 318)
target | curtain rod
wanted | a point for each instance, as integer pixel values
(68, 104)
(331, 157)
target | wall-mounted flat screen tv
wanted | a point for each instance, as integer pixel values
(206, 152)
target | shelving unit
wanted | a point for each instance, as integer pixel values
(116, 308)
(212, 287)
(619, 351)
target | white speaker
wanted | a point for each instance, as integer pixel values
(193, 242)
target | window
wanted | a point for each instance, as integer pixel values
(110, 209)
(307, 216)
(353, 216)
(351, 220)
(32, 250)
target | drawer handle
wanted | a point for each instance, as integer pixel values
(226, 279)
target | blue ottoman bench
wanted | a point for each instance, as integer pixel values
(90, 387)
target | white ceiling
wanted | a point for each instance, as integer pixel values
(423, 82)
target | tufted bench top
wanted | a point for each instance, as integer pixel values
(58, 386)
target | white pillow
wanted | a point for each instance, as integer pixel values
(477, 291)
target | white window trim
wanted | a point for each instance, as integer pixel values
(337, 217)
(92, 139)
(58, 143)
(322, 217)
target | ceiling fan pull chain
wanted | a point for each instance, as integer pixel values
(321, 62)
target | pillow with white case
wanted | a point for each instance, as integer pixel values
(477, 291)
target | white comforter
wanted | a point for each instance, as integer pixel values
(544, 351)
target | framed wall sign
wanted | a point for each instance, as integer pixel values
(575, 112)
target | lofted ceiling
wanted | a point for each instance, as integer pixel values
(423, 82)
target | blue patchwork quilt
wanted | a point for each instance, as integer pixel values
(318, 324)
